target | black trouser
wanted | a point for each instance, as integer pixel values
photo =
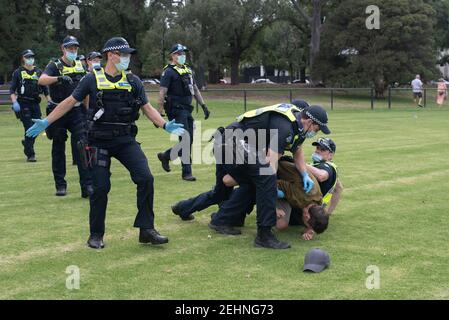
(204, 200)
(73, 142)
(266, 195)
(132, 157)
(29, 111)
(74, 121)
(234, 211)
(182, 115)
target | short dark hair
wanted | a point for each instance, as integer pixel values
(304, 114)
(319, 220)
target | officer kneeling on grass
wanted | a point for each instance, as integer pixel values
(25, 96)
(286, 127)
(115, 100)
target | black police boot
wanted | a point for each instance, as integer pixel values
(189, 178)
(164, 161)
(87, 191)
(151, 236)
(61, 191)
(239, 223)
(95, 242)
(266, 239)
(227, 230)
(31, 159)
(176, 210)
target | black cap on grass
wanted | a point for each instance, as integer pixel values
(316, 260)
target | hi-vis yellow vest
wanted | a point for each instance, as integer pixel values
(282, 108)
(104, 84)
(77, 68)
(285, 109)
(182, 70)
(328, 196)
(26, 76)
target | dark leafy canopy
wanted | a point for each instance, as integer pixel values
(441, 8)
(226, 35)
(280, 45)
(23, 25)
(404, 45)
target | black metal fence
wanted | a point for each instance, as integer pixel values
(326, 96)
(329, 96)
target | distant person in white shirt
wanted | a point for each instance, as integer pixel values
(417, 86)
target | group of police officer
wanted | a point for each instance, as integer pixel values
(278, 128)
(99, 106)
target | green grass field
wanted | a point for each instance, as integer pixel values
(393, 214)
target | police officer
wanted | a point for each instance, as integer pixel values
(326, 172)
(94, 61)
(220, 192)
(115, 99)
(62, 77)
(175, 96)
(82, 58)
(291, 126)
(25, 96)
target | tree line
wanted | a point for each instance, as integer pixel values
(324, 39)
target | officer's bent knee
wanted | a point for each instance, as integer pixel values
(229, 181)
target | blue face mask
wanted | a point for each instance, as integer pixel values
(123, 64)
(29, 62)
(316, 157)
(71, 56)
(96, 66)
(181, 59)
(310, 134)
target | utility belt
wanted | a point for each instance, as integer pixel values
(170, 105)
(29, 99)
(109, 131)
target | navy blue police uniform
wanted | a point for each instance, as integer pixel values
(220, 193)
(114, 104)
(288, 138)
(74, 121)
(233, 211)
(179, 80)
(25, 86)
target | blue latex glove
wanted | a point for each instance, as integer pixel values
(281, 194)
(38, 126)
(175, 128)
(16, 107)
(307, 182)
